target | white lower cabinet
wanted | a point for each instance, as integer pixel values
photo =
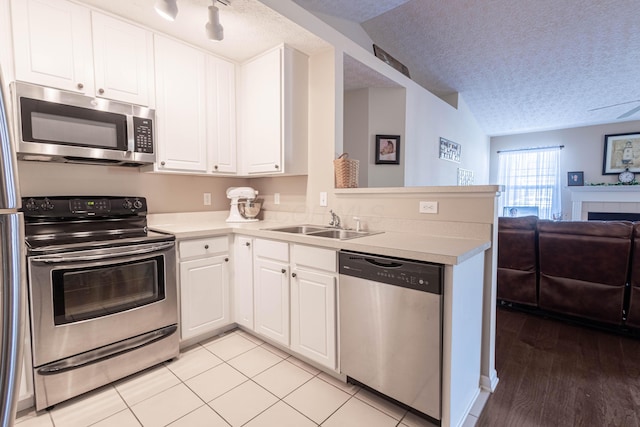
(204, 286)
(243, 281)
(313, 304)
(271, 290)
(294, 291)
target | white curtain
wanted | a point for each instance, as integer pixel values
(531, 178)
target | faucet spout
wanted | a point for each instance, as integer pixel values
(335, 219)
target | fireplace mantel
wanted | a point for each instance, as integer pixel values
(602, 194)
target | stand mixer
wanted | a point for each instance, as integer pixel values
(243, 207)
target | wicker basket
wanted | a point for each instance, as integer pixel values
(346, 171)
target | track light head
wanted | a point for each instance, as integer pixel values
(168, 9)
(213, 28)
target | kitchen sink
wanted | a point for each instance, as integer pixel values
(321, 231)
(340, 234)
(299, 229)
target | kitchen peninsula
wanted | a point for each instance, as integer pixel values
(461, 242)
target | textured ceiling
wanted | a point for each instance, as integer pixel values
(520, 65)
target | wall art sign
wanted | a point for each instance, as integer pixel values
(450, 150)
(387, 149)
(465, 177)
(621, 152)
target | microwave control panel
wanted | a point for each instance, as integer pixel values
(143, 135)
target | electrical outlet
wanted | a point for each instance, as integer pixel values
(276, 198)
(428, 207)
(207, 199)
(323, 198)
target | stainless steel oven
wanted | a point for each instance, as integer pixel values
(102, 294)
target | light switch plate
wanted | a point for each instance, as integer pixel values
(276, 198)
(323, 198)
(428, 207)
(207, 199)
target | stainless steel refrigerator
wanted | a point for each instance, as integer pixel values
(13, 289)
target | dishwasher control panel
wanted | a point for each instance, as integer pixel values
(422, 276)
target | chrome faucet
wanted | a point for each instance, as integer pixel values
(335, 219)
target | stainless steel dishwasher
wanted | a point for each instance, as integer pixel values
(391, 328)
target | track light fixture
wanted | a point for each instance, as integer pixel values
(213, 27)
(168, 9)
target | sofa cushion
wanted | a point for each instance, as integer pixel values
(584, 267)
(517, 277)
(633, 314)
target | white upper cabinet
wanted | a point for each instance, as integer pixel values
(52, 44)
(195, 110)
(181, 105)
(221, 110)
(63, 45)
(274, 105)
(123, 60)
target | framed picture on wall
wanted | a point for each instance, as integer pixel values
(450, 150)
(575, 179)
(621, 152)
(387, 150)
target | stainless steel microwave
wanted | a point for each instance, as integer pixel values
(59, 126)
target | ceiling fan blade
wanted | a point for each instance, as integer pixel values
(614, 105)
(630, 112)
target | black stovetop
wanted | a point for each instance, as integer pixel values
(80, 222)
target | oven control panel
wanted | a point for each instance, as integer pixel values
(83, 206)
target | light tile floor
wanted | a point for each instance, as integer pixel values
(232, 380)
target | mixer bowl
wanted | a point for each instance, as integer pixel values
(250, 209)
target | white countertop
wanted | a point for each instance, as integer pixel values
(421, 247)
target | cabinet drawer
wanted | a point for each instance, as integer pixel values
(316, 258)
(272, 249)
(203, 247)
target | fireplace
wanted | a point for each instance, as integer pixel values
(609, 199)
(613, 216)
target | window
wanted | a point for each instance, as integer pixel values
(531, 178)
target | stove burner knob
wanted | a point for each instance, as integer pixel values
(31, 205)
(137, 204)
(127, 204)
(46, 205)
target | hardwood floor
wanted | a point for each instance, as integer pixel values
(557, 374)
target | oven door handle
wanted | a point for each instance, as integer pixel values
(51, 259)
(103, 353)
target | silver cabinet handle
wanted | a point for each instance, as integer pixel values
(284, 271)
(80, 86)
(100, 91)
(247, 244)
(294, 275)
(162, 163)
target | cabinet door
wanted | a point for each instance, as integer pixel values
(243, 282)
(221, 110)
(204, 295)
(123, 60)
(262, 113)
(180, 106)
(271, 294)
(313, 316)
(52, 44)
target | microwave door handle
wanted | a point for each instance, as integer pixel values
(130, 134)
(56, 259)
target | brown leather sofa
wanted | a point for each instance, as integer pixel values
(517, 277)
(583, 267)
(633, 313)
